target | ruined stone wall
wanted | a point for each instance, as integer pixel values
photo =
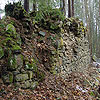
(75, 54)
(30, 49)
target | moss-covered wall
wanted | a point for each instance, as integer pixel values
(30, 46)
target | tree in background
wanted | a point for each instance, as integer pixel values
(89, 12)
(34, 5)
(70, 8)
(63, 6)
(26, 5)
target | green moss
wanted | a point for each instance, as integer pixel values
(1, 52)
(16, 47)
(92, 93)
(10, 29)
(61, 42)
(11, 78)
(22, 57)
(53, 70)
(30, 74)
(8, 42)
(54, 26)
(2, 25)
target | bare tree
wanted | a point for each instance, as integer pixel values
(26, 5)
(72, 8)
(63, 6)
(34, 5)
(69, 8)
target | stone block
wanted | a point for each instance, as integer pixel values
(21, 77)
(30, 74)
(34, 85)
(26, 85)
(7, 77)
(15, 62)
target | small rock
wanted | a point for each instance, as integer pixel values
(16, 72)
(25, 85)
(42, 33)
(30, 74)
(34, 85)
(8, 77)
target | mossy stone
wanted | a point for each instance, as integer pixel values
(10, 28)
(53, 70)
(19, 42)
(34, 85)
(61, 42)
(21, 77)
(11, 77)
(12, 63)
(16, 49)
(31, 66)
(19, 61)
(1, 52)
(8, 77)
(53, 52)
(54, 26)
(30, 74)
(25, 84)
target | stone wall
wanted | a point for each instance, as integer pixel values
(75, 53)
(30, 49)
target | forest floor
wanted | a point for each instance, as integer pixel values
(77, 86)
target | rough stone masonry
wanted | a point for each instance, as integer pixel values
(75, 54)
(58, 46)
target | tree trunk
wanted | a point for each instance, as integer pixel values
(63, 6)
(96, 39)
(69, 8)
(34, 5)
(72, 8)
(99, 7)
(98, 36)
(26, 5)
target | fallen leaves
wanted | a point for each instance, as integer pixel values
(55, 88)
